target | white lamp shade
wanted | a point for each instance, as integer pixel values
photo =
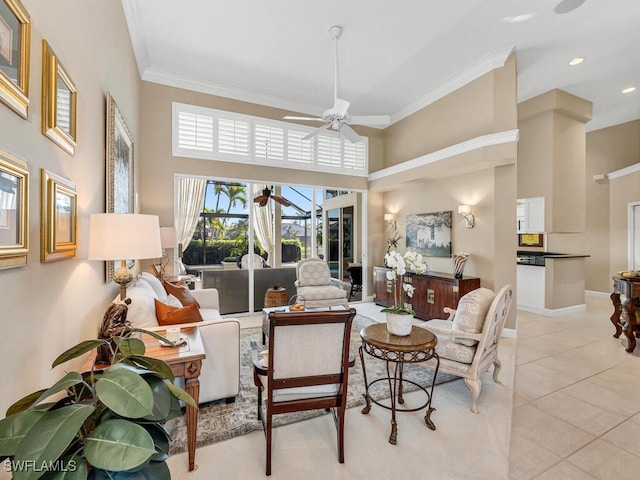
(168, 237)
(124, 236)
(464, 209)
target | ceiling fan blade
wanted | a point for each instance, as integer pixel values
(281, 200)
(349, 133)
(259, 198)
(263, 202)
(340, 107)
(372, 120)
(311, 119)
(315, 132)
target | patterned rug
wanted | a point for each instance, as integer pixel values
(219, 421)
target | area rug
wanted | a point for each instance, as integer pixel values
(220, 421)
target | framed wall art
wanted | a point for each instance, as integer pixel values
(15, 38)
(430, 233)
(59, 99)
(14, 211)
(120, 172)
(58, 218)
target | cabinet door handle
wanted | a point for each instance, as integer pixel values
(431, 296)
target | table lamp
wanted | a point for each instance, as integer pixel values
(167, 240)
(123, 236)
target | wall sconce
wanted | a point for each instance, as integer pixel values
(465, 211)
(391, 219)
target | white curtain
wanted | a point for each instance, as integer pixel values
(263, 224)
(190, 198)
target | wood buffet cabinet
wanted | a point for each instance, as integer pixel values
(434, 291)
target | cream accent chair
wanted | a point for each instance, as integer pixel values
(468, 339)
(315, 287)
(306, 368)
(258, 261)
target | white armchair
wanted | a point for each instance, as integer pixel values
(468, 339)
(315, 287)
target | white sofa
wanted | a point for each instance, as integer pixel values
(220, 373)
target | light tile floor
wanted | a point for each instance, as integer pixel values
(576, 399)
(576, 416)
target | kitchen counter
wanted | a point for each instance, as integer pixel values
(555, 289)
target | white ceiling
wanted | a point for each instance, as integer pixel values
(395, 55)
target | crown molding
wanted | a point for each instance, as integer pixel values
(177, 80)
(131, 15)
(475, 70)
(489, 140)
(624, 171)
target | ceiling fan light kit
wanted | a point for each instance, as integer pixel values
(338, 117)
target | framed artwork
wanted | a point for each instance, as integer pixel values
(14, 211)
(59, 99)
(430, 233)
(120, 174)
(58, 218)
(15, 38)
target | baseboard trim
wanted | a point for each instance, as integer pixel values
(593, 293)
(558, 312)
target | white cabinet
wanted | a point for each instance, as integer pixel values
(530, 215)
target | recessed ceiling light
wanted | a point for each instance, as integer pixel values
(576, 61)
(629, 90)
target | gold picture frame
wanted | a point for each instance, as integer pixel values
(58, 218)
(14, 202)
(120, 195)
(15, 36)
(59, 100)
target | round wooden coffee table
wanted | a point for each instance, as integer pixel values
(419, 346)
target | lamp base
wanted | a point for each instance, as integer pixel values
(122, 277)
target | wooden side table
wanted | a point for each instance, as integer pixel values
(419, 346)
(185, 361)
(624, 314)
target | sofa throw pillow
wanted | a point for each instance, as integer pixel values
(471, 312)
(156, 284)
(181, 292)
(170, 315)
(173, 301)
(141, 311)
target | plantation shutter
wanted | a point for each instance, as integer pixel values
(195, 131)
(233, 136)
(298, 150)
(329, 151)
(269, 142)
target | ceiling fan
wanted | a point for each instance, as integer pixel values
(338, 117)
(267, 193)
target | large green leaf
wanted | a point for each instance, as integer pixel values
(153, 364)
(161, 440)
(125, 392)
(180, 394)
(24, 403)
(130, 346)
(80, 349)
(161, 399)
(153, 471)
(49, 438)
(71, 468)
(118, 445)
(68, 381)
(14, 428)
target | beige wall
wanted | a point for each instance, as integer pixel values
(47, 308)
(608, 150)
(487, 105)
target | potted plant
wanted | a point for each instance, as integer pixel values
(106, 423)
(400, 314)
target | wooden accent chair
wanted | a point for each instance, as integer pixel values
(468, 339)
(315, 287)
(306, 368)
(355, 274)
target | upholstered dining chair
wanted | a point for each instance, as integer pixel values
(306, 368)
(355, 274)
(468, 339)
(315, 287)
(258, 261)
